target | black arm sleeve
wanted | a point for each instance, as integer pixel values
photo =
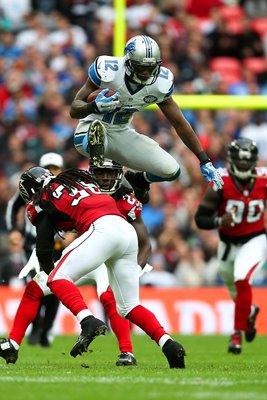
(205, 218)
(45, 242)
(91, 108)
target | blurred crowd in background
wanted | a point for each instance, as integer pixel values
(46, 47)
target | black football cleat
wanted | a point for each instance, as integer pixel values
(44, 340)
(125, 359)
(91, 328)
(250, 330)
(235, 343)
(8, 351)
(139, 185)
(34, 337)
(175, 353)
(96, 143)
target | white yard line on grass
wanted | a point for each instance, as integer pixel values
(136, 380)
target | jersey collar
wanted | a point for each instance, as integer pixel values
(131, 86)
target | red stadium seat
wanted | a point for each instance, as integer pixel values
(225, 65)
(231, 12)
(259, 25)
(234, 26)
(255, 64)
(227, 68)
(229, 77)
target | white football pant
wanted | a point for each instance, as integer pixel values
(132, 149)
(110, 240)
(242, 261)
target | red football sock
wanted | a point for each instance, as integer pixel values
(26, 312)
(242, 304)
(69, 295)
(147, 321)
(119, 325)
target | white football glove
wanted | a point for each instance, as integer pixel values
(32, 264)
(147, 268)
(211, 174)
(105, 104)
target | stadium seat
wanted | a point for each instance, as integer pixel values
(231, 12)
(255, 64)
(229, 78)
(234, 26)
(259, 25)
(225, 65)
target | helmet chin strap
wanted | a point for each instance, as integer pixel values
(47, 180)
(240, 174)
(133, 77)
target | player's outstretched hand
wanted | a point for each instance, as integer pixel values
(211, 175)
(106, 104)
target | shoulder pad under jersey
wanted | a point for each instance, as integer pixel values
(223, 171)
(261, 171)
(104, 69)
(164, 81)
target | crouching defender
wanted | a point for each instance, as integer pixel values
(71, 201)
(110, 180)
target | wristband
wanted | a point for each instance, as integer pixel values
(203, 157)
(91, 108)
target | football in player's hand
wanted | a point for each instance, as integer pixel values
(92, 96)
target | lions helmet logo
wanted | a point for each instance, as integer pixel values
(130, 48)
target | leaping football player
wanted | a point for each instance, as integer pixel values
(104, 129)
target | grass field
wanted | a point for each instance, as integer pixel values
(211, 373)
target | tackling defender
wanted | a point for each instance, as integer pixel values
(104, 128)
(238, 212)
(71, 201)
(109, 178)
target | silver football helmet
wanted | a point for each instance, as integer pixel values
(242, 158)
(142, 59)
(107, 176)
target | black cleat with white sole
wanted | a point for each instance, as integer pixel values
(175, 353)
(8, 351)
(250, 330)
(235, 343)
(126, 359)
(91, 328)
